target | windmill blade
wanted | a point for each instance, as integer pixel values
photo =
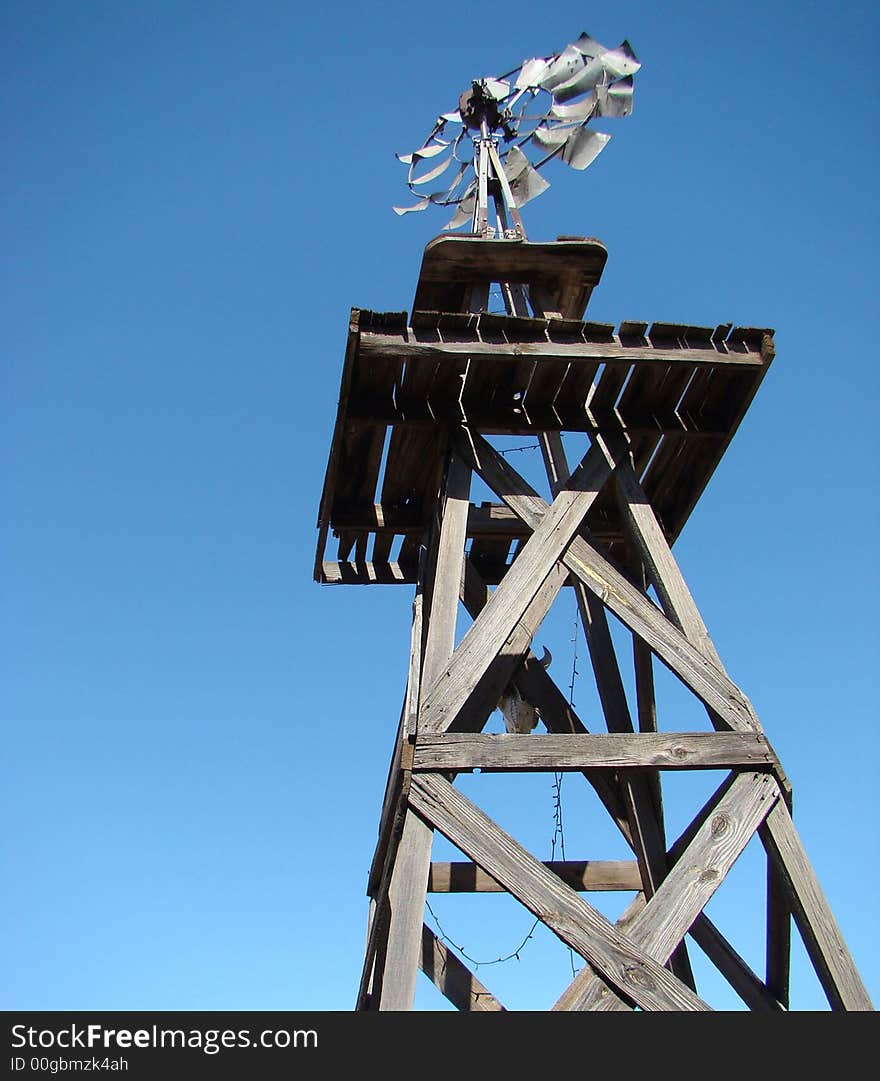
(607, 66)
(526, 183)
(615, 100)
(465, 211)
(583, 147)
(532, 73)
(429, 150)
(567, 65)
(425, 178)
(422, 204)
(579, 111)
(552, 138)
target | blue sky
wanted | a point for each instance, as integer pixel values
(195, 194)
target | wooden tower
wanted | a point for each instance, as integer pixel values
(655, 407)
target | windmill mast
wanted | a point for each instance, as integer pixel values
(426, 399)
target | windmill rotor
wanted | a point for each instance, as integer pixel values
(510, 127)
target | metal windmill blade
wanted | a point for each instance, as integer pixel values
(506, 129)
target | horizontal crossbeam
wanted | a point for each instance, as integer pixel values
(581, 875)
(542, 753)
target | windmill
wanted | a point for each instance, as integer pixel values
(424, 399)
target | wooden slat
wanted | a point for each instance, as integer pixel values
(464, 751)
(453, 978)
(579, 925)
(825, 945)
(665, 920)
(580, 875)
(411, 347)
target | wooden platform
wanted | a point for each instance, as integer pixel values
(679, 392)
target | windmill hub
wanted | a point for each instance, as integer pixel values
(480, 110)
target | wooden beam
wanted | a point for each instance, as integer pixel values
(637, 789)
(812, 914)
(615, 591)
(668, 915)
(460, 751)
(453, 978)
(413, 347)
(627, 968)
(662, 569)
(580, 875)
(448, 695)
(409, 876)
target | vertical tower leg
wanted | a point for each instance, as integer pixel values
(409, 877)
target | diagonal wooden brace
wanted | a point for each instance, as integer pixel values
(627, 968)
(630, 605)
(682, 895)
(452, 691)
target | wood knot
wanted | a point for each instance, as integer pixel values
(708, 874)
(637, 974)
(720, 825)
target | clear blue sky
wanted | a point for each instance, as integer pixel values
(196, 735)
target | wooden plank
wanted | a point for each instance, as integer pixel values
(453, 978)
(778, 960)
(328, 493)
(621, 597)
(568, 268)
(449, 694)
(812, 914)
(464, 751)
(409, 877)
(628, 969)
(366, 574)
(580, 875)
(410, 346)
(645, 827)
(450, 557)
(660, 564)
(668, 915)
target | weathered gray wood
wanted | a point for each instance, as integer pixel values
(413, 682)
(741, 978)
(634, 609)
(663, 570)
(646, 704)
(448, 693)
(406, 902)
(462, 751)
(637, 790)
(537, 687)
(453, 978)
(668, 915)
(825, 945)
(440, 640)
(778, 936)
(580, 875)
(627, 968)
(409, 875)
(376, 345)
